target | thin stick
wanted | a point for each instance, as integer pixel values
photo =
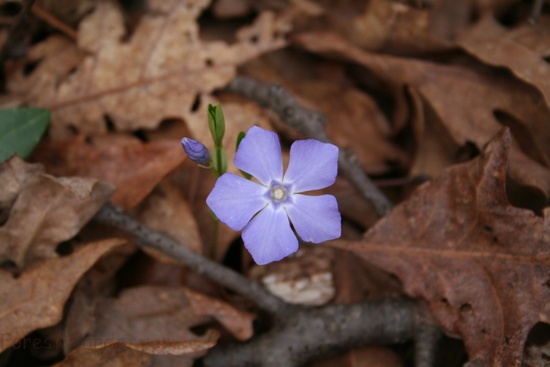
(311, 123)
(56, 23)
(116, 217)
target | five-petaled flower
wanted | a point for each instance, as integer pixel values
(262, 210)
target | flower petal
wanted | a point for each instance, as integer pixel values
(313, 165)
(235, 200)
(315, 218)
(260, 155)
(268, 237)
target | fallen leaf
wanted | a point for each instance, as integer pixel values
(157, 320)
(133, 166)
(47, 210)
(237, 322)
(354, 120)
(306, 278)
(166, 210)
(469, 103)
(36, 299)
(513, 49)
(481, 264)
(114, 355)
(158, 72)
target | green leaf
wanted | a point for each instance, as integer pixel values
(216, 122)
(20, 130)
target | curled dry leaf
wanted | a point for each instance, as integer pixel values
(354, 119)
(114, 355)
(120, 355)
(36, 299)
(166, 210)
(45, 210)
(481, 264)
(157, 320)
(133, 166)
(137, 80)
(472, 105)
(522, 50)
(305, 278)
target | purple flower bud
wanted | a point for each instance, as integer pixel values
(196, 151)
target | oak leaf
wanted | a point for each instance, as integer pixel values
(136, 80)
(472, 105)
(43, 210)
(482, 265)
(36, 299)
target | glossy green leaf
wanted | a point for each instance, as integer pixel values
(21, 129)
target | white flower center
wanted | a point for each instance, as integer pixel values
(278, 193)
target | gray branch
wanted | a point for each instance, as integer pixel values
(315, 333)
(310, 123)
(114, 216)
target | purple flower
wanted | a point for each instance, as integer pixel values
(262, 210)
(196, 151)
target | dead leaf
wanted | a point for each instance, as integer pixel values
(305, 278)
(166, 210)
(481, 264)
(114, 355)
(36, 299)
(134, 167)
(354, 120)
(469, 103)
(46, 211)
(157, 320)
(137, 80)
(238, 323)
(513, 49)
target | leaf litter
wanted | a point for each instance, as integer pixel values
(417, 93)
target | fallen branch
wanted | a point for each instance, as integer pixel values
(300, 334)
(116, 217)
(314, 333)
(311, 123)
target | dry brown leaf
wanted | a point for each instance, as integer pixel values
(46, 210)
(36, 299)
(481, 264)
(137, 80)
(166, 210)
(306, 278)
(134, 167)
(238, 323)
(354, 119)
(521, 50)
(114, 355)
(157, 320)
(471, 105)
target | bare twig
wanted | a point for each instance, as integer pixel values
(311, 123)
(116, 217)
(312, 334)
(53, 21)
(426, 340)
(300, 334)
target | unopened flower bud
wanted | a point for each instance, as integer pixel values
(196, 151)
